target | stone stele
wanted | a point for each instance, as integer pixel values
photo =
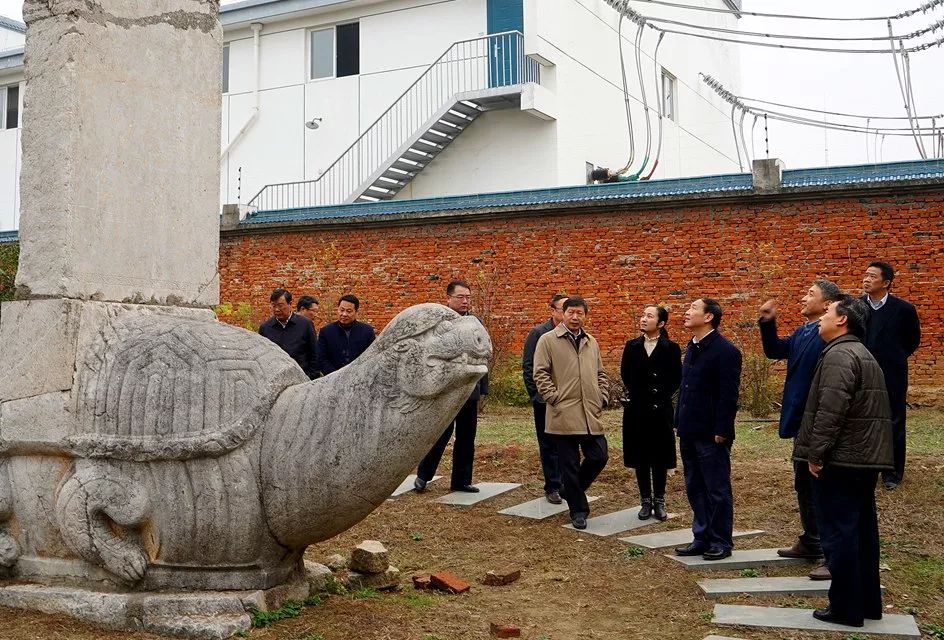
(121, 143)
(190, 455)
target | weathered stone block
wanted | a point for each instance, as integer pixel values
(370, 556)
(421, 582)
(318, 576)
(119, 197)
(389, 579)
(42, 421)
(336, 562)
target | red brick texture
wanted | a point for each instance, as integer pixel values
(619, 259)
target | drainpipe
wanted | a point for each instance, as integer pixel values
(254, 112)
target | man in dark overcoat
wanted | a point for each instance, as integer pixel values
(894, 333)
(845, 440)
(704, 419)
(465, 424)
(546, 449)
(801, 350)
(341, 342)
(651, 369)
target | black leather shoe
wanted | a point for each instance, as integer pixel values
(419, 485)
(693, 549)
(658, 510)
(826, 615)
(466, 488)
(716, 553)
(553, 497)
(645, 511)
(579, 522)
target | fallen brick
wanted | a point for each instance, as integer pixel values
(422, 582)
(501, 577)
(448, 582)
(504, 630)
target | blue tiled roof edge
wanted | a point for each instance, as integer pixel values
(799, 180)
(9, 236)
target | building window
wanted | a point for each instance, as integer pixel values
(335, 52)
(668, 95)
(226, 68)
(10, 107)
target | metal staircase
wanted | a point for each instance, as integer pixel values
(471, 77)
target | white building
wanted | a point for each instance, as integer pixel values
(423, 98)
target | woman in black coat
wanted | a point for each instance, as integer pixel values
(652, 371)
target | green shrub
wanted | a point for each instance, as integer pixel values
(506, 384)
(9, 255)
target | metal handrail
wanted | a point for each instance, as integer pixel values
(494, 60)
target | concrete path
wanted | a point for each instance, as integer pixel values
(407, 485)
(617, 522)
(895, 626)
(539, 508)
(486, 490)
(747, 559)
(676, 538)
(789, 586)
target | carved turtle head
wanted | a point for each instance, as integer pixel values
(433, 349)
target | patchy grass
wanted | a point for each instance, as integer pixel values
(291, 609)
(633, 551)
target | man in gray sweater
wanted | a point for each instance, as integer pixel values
(846, 440)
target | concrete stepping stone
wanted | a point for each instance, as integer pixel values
(788, 586)
(720, 638)
(407, 485)
(747, 559)
(895, 626)
(677, 537)
(539, 508)
(486, 490)
(616, 522)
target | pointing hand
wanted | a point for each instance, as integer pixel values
(768, 310)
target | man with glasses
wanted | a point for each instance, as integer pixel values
(459, 299)
(292, 332)
(546, 448)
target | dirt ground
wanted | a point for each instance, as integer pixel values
(576, 586)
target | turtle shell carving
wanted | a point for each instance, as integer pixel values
(166, 388)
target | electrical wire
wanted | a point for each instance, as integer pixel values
(737, 147)
(629, 115)
(645, 103)
(753, 154)
(906, 64)
(904, 93)
(931, 4)
(935, 26)
(834, 113)
(661, 97)
(743, 140)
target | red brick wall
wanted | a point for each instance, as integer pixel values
(619, 260)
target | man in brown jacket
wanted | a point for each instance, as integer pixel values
(568, 373)
(846, 440)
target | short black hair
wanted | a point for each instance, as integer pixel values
(831, 290)
(451, 287)
(350, 297)
(557, 297)
(713, 307)
(306, 302)
(575, 301)
(280, 293)
(856, 315)
(888, 271)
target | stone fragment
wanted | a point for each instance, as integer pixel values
(389, 579)
(501, 577)
(317, 575)
(370, 556)
(447, 582)
(422, 582)
(336, 562)
(504, 630)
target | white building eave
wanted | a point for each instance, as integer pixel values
(11, 58)
(247, 11)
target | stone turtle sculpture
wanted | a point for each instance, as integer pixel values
(201, 457)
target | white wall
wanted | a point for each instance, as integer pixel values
(10, 39)
(10, 159)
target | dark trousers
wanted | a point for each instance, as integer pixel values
(848, 524)
(899, 408)
(708, 485)
(547, 450)
(803, 483)
(577, 475)
(463, 452)
(651, 479)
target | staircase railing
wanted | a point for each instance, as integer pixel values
(496, 60)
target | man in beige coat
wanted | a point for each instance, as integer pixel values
(568, 373)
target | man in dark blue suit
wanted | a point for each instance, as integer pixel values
(704, 421)
(801, 350)
(894, 333)
(342, 341)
